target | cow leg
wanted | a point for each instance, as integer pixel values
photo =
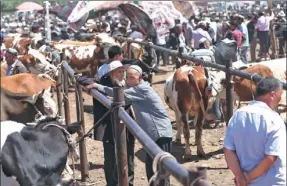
(186, 132)
(198, 135)
(179, 127)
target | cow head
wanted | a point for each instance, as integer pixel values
(43, 102)
(215, 85)
(36, 62)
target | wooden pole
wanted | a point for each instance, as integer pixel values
(272, 33)
(120, 138)
(66, 96)
(229, 99)
(59, 92)
(82, 144)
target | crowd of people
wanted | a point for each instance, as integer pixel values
(260, 161)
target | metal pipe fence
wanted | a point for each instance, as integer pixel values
(184, 176)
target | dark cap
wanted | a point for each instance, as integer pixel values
(267, 85)
(12, 51)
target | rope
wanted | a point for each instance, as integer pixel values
(251, 81)
(157, 169)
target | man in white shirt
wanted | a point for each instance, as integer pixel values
(199, 33)
(262, 27)
(255, 141)
(115, 54)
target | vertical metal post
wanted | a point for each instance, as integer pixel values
(66, 96)
(150, 53)
(120, 137)
(59, 92)
(82, 144)
(229, 99)
(129, 50)
(47, 22)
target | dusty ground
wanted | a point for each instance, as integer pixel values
(217, 173)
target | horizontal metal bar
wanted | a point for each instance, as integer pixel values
(171, 165)
(235, 72)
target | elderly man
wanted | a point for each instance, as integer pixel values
(14, 65)
(149, 109)
(255, 141)
(199, 33)
(205, 51)
(104, 132)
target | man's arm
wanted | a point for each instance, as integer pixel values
(261, 168)
(22, 68)
(233, 163)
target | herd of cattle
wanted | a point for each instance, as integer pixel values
(26, 98)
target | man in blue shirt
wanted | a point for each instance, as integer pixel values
(255, 141)
(245, 42)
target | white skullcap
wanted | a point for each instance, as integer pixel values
(202, 40)
(137, 68)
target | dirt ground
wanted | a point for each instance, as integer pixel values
(217, 172)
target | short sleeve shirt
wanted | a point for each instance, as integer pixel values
(253, 132)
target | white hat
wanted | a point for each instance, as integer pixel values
(202, 40)
(114, 65)
(281, 14)
(137, 68)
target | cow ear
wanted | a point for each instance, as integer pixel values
(74, 127)
(33, 99)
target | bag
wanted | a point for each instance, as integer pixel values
(224, 51)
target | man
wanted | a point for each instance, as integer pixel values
(255, 141)
(199, 33)
(281, 30)
(245, 43)
(2, 47)
(187, 31)
(114, 53)
(262, 27)
(205, 51)
(113, 77)
(252, 36)
(237, 35)
(149, 110)
(14, 65)
(135, 34)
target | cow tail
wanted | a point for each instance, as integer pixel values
(192, 78)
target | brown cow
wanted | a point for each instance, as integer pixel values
(21, 44)
(187, 93)
(25, 95)
(35, 62)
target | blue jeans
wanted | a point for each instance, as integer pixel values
(216, 109)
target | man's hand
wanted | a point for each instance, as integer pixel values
(240, 181)
(247, 177)
(89, 87)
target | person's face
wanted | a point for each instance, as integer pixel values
(118, 74)
(275, 97)
(118, 57)
(10, 59)
(133, 78)
(232, 27)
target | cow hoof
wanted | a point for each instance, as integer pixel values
(178, 141)
(187, 157)
(201, 154)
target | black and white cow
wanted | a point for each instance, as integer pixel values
(37, 155)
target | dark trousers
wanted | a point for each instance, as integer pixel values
(110, 164)
(165, 144)
(264, 41)
(282, 44)
(163, 55)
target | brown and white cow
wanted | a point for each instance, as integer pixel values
(187, 92)
(25, 95)
(244, 90)
(35, 62)
(21, 44)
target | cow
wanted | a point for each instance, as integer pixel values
(36, 155)
(35, 62)
(21, 44)
(25, 97)
(244, 90)
(187, 92)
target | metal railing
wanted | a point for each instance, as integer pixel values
(184, 176)
(227, 69)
